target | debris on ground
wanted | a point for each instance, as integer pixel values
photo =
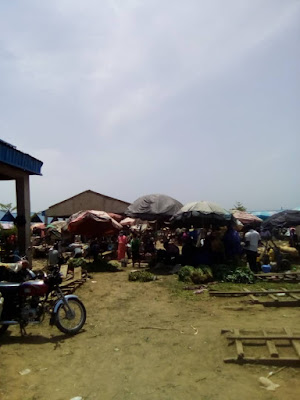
(267, 383)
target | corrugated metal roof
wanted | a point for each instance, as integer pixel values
(11, 156)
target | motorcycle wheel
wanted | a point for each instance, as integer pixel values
(3, 329)
(70, 324)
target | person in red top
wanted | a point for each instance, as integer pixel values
(122, 241)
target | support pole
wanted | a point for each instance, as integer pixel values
(23, 209)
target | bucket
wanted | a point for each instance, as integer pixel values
(266, 268)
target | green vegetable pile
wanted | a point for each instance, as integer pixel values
(77, 262)
(141, 276)
(235, 274)
(200, 274)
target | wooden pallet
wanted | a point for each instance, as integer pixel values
(69, 285)
(275, 298)
(279, 346)
(292, 277)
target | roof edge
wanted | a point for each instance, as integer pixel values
(87, 191)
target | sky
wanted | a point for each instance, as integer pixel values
(198, 99)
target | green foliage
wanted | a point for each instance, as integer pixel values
(5, 233)
(141, 276)
(7, 207)
(77, 262)
(102, 265)
(185, 273)
(239, 206)
(200, 274)
(235, 274)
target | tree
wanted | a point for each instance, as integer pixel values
(7, 207)
(239, 206)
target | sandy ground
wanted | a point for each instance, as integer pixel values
(121, 355)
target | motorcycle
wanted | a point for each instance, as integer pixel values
(27, 303)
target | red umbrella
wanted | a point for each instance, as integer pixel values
(93, 223)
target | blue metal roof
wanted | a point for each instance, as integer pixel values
(10, 155)
(7, 217)
(14, 214)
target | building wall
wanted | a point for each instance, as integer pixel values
(87, 201)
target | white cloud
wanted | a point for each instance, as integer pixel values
(87, 82)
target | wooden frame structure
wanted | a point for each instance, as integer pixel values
(283, 347)
(275, 298)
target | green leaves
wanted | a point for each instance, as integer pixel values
(7, 207)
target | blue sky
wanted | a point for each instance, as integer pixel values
(197, 99)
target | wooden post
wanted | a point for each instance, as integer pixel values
(271, 347)
(23, 210)
(239, 345)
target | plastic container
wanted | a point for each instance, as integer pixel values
(266, 268)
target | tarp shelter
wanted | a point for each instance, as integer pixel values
(153, 207)
(88, 200)
(200, 214)
(93, 223)
(283, 219)
(246, 218)
(18, 166)
(59, 225)
(263, 214)
(127, 221)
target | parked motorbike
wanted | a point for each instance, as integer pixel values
(27, 303)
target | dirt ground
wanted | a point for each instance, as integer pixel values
(144, 341)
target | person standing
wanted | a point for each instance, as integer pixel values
(53, 256)
(135, 249)
(95, 249)
(122, 241)
(252, 239)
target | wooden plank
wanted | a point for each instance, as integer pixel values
(271, 347)
(255, 292)
(239, 345)
(270, 295)
(293, 362)
(292, 273)
(76, 277)
(261, 337)
(252, 297)
(294, 296)
(77, 273)
(281, 303)
(295, 344)
(64, 270)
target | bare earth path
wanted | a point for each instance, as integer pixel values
(121, 355)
